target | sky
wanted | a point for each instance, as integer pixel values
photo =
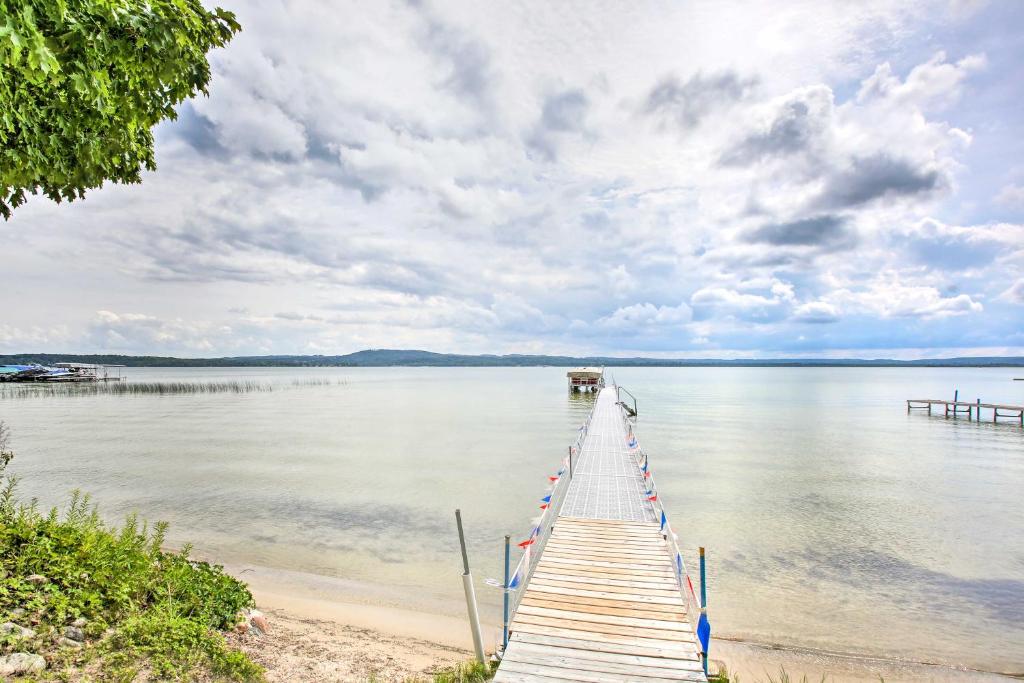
(675, 179)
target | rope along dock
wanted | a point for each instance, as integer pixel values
(601, 592)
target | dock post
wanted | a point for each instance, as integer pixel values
(703, 605)
(977, 411)
(570, 463)
(504, 627)
(467, 585)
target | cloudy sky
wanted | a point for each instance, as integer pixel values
(706, 179)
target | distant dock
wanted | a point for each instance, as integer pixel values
(957, 408)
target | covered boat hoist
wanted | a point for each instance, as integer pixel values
(586, 379)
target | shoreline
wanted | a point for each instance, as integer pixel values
(404, 642)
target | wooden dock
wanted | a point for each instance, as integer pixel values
(971, 409)
(606, 597)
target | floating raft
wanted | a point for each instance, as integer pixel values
(606, 599)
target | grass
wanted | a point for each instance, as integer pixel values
(722, 676)
(66, 389)
(469, 672)
(148, 612)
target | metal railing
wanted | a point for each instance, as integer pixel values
(694, 606)
(519, 577)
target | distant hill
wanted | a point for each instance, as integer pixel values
(415, 358)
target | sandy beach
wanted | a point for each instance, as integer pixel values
(327, 629)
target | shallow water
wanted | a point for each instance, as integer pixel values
(832, 518)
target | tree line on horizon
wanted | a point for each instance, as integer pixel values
(416, 358)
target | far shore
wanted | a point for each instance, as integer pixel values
(321, 629)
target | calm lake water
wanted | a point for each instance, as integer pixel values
(832, 518)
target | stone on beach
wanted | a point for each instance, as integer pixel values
(19, 631)
(253, 621)
(21, 663)
(74, 633)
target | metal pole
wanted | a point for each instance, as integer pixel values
(467, 585)
(504, 629)
(703, 605)
(703, 582)
(570, 462)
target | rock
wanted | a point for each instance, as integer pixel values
(67, 642)
(18, 631)
(243, 628)
(80, 622)
(259, 623)
(37, 579)
(255, 622)
(74, 633)
(18, 612)
(21, 663)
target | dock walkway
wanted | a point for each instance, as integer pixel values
(956, 408)
(605, 601)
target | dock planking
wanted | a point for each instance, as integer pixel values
(603, 603)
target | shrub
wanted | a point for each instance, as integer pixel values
(144, 606)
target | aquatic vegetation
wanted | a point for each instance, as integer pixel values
(71, 389)
(125, 604)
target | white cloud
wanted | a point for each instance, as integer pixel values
(647, 315)
(816, 312)
(1011, 196)
(486, 178)
(1015, 292)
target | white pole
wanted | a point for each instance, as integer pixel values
(467, 585)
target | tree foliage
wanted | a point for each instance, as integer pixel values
(83, 82)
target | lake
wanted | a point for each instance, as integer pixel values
(832, 518)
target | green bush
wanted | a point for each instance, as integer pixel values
(144, 606)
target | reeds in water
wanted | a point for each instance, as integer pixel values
(55, 389)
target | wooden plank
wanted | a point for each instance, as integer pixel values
(559, 565)
(608, 522)
(563, 558)
(636, 582)
(555, 658)
(628, 564)
(609, 555)
(516, 677)
(615, 548)
(560, 526)
(660, 553)
(589, 590)
(624, 541)
(561, 650)
(607, 638)
(623, 591)
(600, 533)
(602, 602)
(601, 628)
(641, 622)
(529, 600)
(647, 650)
(561, 673)
(596, 552)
